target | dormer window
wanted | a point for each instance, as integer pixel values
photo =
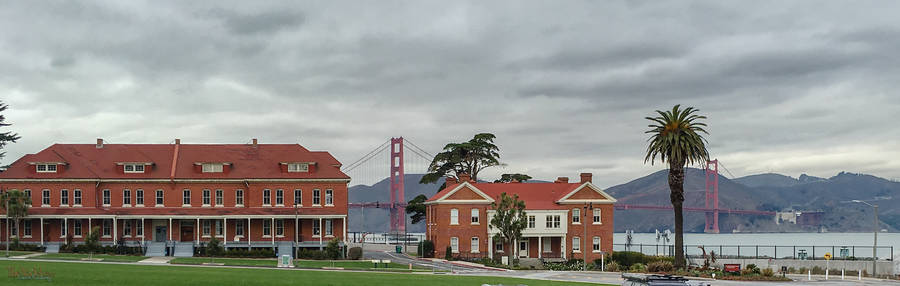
(298, 167)
(212, 167)
(134, 168)
(46, 168)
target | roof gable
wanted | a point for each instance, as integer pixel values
(587, 193)
(463, 193)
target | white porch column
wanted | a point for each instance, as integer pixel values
(490, 246)
(345, 229)
(143, 231)
(562, 247)
(272, 230)
(540, 247)
(248, 232)
(197, 231)
(170, 229)
(321, 234)
(115, 230)
(225, 231)
(89, 226)
(42, 231)
(297, 230)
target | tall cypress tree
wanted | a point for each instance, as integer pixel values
(8, 136)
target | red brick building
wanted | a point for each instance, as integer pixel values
(171, 197)
(565, 220)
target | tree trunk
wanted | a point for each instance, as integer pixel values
(676, 187)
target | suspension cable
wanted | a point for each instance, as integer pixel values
(367, 157)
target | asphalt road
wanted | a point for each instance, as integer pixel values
(437, 265)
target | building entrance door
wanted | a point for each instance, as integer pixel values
(187, 233)
(523, 248)
(159, 235)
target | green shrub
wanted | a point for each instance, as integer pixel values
(628, 258)
(660, 266)
(613, 266)
(752, 267)
(448, 253)
(355, 253)
(426, 249)
(638, 267)
(304, 253)
(768, 272)
(333, 249)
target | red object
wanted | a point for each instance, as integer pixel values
(712, 197)
(732, 268)
(398, 211)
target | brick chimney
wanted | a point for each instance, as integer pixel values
(99, 143)
(177, 141)
(451, 181)
(586, 177)
(254, 142)
(465, 178)
(562, 180)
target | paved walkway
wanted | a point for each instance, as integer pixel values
(27, 255)
(157, 260)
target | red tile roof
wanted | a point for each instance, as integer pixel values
(86, 161)
(535, 195)
(176, 211)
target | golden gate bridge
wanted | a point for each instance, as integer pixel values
(390, 159)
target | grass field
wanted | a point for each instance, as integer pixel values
(15, 253)
(79, 256)
(269, 262)
(357, 265)
(66, 273)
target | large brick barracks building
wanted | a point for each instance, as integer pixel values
(171, 197)
(565, 220)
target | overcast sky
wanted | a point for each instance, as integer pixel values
(789, 87)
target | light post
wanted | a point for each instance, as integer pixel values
(875, 233)
(584, 223)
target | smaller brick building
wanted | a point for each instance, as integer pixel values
(565, 220)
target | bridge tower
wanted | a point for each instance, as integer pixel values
(712, 196)
(398, 212)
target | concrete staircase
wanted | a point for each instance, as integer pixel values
(52, 248)
(285, 248)
(156, 249)
(184, 249)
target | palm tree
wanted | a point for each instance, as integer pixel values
(675, 138)
(15, 203)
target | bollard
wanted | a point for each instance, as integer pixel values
(842, 274)
(714, 276)
(410, 266)
(809, 275)
(859, 272)
(826, 274)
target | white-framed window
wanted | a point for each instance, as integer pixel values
(329, 227)
(107, 228)
(576, 244)
(106, 198)
(298, 167)
(454, 244)
(139, 229)
(576, 216)
(316, 228)
(596, 244)
(316, 201)
(267, 228)
(206, 228)
(220, 200)
(159, 198)
(77, 227)
(552, 221)
(13, 230)
(126, 229)
(45, 198)
(475, 247)
(267, 197)
(77, 197)
(454, 216)
(547, 245)
(597, 217)
(63, 197)
(218, 228)
(64, 228)
(329, 197)
(475, 216)
(279, 227)
(134, 168)
(239, 227)
(531, 221)
(298, 197)
(212, 168)
(279, 197)
(186, 198)
(139, 197)
(46, 168)
(205, 197)
(126, 197)
(26, 228)
(498, 247)
(239, 197)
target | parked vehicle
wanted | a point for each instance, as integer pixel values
(633, 279)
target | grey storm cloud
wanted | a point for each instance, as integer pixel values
(789, 87)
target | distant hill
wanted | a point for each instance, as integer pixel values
(767, 179)
(376, 220)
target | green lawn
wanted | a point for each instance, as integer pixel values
(269, 262)
(351, 264)
(15, 253)
(136, 275)
(79, 256)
